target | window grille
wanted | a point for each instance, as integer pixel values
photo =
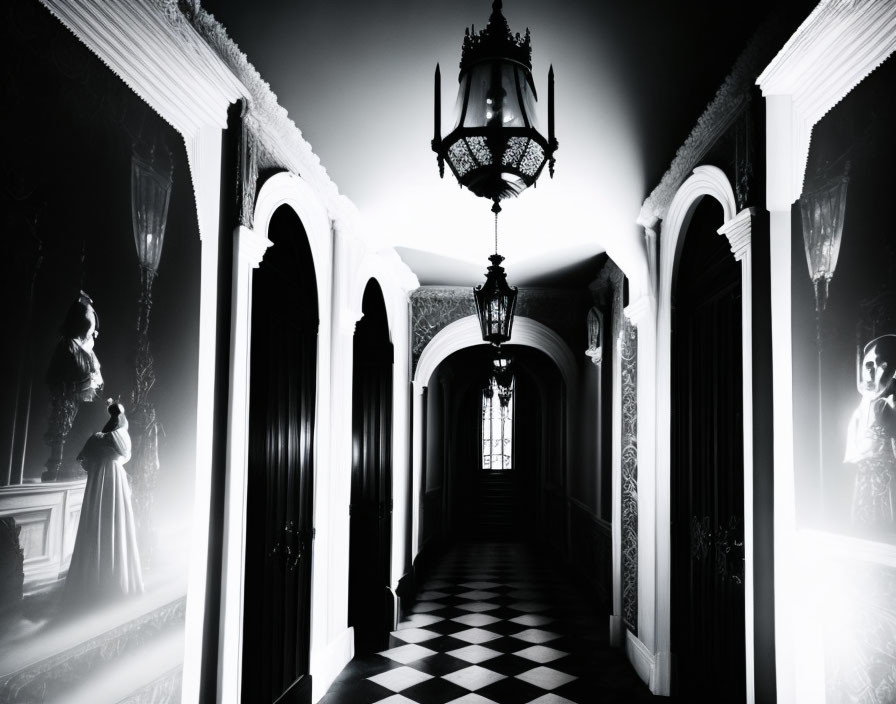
(497, 430)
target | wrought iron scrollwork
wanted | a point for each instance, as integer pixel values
(291, 546)
(701, 538)
(726, 547)
(730, 552)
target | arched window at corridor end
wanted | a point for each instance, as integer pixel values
(497, 427)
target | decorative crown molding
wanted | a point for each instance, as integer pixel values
(279, 134)
(834, 49)
(721, 112)
(158, 55)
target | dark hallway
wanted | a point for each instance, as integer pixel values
(494, 623)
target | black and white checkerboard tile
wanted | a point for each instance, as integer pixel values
(493, 626)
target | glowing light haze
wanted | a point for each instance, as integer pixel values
(357, 78)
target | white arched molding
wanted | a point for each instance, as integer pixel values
(396, 281)
(283, 189)
(464, 333)
(737, 227)
(467, 332)
(834, 49)
(355, 266)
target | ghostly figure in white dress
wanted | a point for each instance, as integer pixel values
(871, 437)
(105, 562)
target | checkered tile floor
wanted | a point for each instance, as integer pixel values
(492, 625)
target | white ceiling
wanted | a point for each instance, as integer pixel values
(357, 78)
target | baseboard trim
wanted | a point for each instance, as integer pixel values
(394, 608)
(641, 659)
(326, 666)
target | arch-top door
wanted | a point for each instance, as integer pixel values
(276, 611)
(370, 605)
(707, 465)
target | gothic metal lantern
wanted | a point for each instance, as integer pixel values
(823, 210)
(495, 303)
(496, 148)
(150, 196)
(822, 214)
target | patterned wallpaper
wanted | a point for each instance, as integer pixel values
(629, 348)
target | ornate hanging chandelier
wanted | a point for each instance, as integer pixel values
(495, 149)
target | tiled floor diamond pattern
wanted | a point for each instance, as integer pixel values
(493, 625)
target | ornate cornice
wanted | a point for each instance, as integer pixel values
(836, 47)
(739, 231)
(190, 71)
(158, 56)
(719, 115)
(279, 134)
(252, 246)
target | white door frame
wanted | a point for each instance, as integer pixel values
(705, 181)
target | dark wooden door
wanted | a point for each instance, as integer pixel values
(707, 469)
(369, 608)
(276, 629)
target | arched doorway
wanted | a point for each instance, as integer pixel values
(707, 481)
(370, 603)
(467, 494)
(277, 600)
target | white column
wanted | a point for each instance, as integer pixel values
(204, 153)
(780, 180)
(335, 481)
(739, 232)
(249, 248)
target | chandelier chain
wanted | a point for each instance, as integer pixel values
(496, 233)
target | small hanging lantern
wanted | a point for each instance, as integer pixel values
(495, 149)
(495, 303)
(495, 300)
(502, 372)
(502, 368)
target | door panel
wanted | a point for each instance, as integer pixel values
(371, 499)
(707, 472)
(276, 628)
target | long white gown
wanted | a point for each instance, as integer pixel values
(105, 562)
